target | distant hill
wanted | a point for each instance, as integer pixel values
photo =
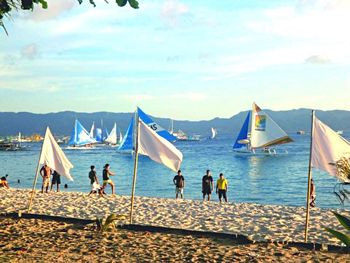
(61, 123)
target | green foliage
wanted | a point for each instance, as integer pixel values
(344, 221)
(133, 3)
(343, 168)
(109, 223)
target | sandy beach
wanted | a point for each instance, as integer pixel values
(258, 222)
(32, 240)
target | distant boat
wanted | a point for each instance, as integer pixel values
(120, 138)
(264, 133)
(214, 132)
(10, 146)
(181, 135)
(128, 140)
(80, 137)
(340, 132)
(112, 136)
(301, 132)
(92, 130)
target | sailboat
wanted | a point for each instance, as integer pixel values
(214, 132)
(181, 135)
(92, 130)
(127, 142)
(120, 138)
(112, 136)
(80, 137)
(264, 133)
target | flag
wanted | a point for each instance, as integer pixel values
(157, 148)
(328, 147)
(53, 156)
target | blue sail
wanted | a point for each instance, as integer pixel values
(127, 142)
(243, 134)
(154, 126)
(80, 135)
(99, 135)
(105, 134)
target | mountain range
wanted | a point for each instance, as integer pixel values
(61, 123)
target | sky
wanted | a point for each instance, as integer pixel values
(188, 60)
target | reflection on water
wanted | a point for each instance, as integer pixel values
(280, 179)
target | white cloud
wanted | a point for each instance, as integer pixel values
(172, 10)
(54, 10)
(318, 60)
(30, 51)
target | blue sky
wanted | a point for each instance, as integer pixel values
(180, 59)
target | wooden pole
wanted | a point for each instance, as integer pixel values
(309, 178)
(36, 177)
(135, 167)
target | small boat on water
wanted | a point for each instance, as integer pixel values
(301, 132)
(80, 138)
(264, 133)
(112, 136)
(340, 132)
(10, 146)
(181, 135)
(214, 132)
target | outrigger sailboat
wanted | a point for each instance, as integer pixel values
(128, 141)
(264, 133)
(80, 137)
(112, 136)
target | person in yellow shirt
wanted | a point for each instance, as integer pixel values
(221, 187)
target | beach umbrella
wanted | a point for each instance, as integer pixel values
(157, 148)
(52, 155)
(327, 150)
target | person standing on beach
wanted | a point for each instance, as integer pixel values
(45, 173)
(221, 187)
(105, 176)
(56, 179)
(179, 182)
(312, 194)
(207, 185)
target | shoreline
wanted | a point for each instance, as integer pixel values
(257, 222)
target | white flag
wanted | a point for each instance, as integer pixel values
(53, 156)
(327, 148)
(158, 149)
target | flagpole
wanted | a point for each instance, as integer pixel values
(309, 178)
(36, 176)
(135, 167)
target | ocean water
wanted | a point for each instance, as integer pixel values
(280, 179)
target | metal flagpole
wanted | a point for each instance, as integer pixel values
(135, 165)
(309, 178)
(36, 176)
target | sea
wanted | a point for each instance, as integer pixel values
(275, 179)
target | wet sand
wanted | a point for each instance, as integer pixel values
(258, 222)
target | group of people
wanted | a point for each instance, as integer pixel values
(95, 186)
(46, 173)
(207, 186)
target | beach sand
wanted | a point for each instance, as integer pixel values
(33, 240)
(258, 222)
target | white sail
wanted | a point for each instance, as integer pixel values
(120, 137)
(112, 137)
(264, 131)
(92, 130)
(213, 133)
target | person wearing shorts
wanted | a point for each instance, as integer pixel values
(179, 182)
(207, 185)
(105, 176)
(45, 173)
(56, 179)
(221, 187)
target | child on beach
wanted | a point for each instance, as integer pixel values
(179, 182)
(45, 173)
(207, 185)
(105, 176)
(221, 187)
